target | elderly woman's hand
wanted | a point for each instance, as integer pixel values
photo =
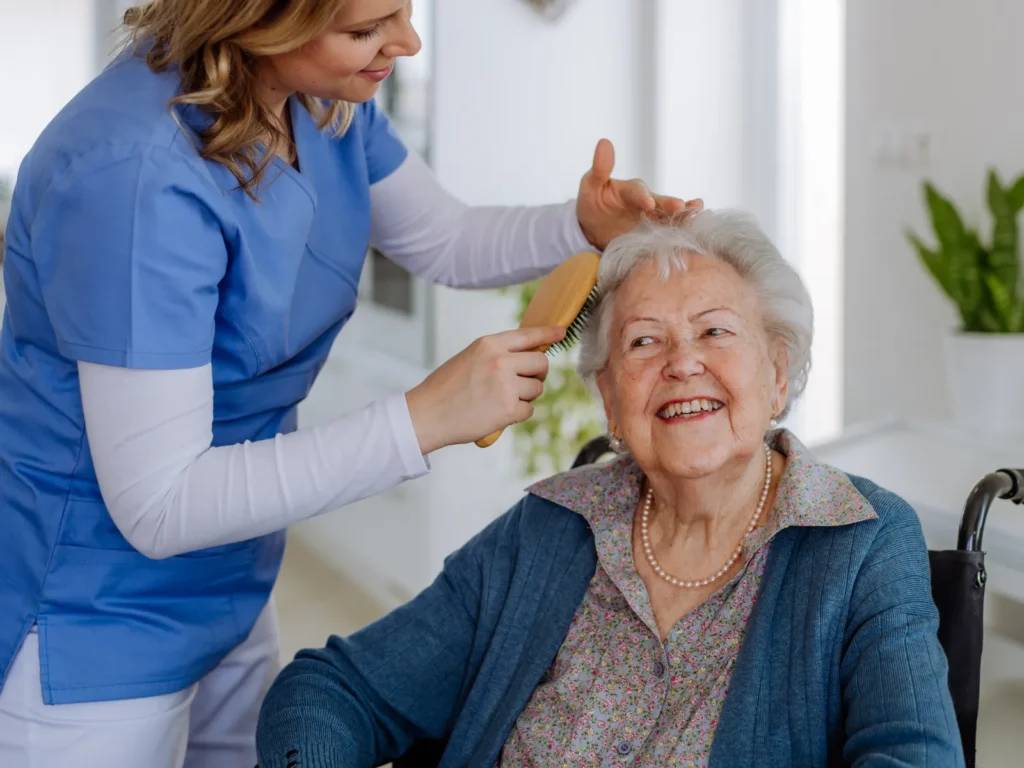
(607, 208)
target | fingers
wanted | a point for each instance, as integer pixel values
(524, 339)
(522, 412)
(534, 364)
(530, 389)
(666, 204)
(668, 207)
(604, 162)
(635, 195)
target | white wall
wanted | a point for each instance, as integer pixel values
(520, 103)
(714, 111)
(47, 54)
(809, 193)
(953, 72)
(747, 115)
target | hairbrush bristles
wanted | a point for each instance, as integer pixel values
(572, 333)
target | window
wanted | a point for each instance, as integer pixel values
(747, 106)
(396, 312)
(109, 15)
(811, 87)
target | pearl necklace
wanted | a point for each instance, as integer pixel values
(649, 550)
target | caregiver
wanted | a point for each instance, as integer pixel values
(184, 245)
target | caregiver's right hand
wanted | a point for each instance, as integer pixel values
(486, 387)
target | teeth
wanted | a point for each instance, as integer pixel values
(690, 407)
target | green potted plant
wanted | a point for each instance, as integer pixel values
(985, 282)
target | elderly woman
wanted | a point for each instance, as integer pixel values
(714, 596)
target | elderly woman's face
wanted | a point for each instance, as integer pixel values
(692, 382)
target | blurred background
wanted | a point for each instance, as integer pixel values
(824, 118)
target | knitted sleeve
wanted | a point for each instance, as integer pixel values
(363, 700)
(899, 711)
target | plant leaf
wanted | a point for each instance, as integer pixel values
(935, 262)
(1002, 257)
(985, 322)
(949, 227)
(966, 271)
(961, 251)
(1017, 318)
(1017, 194)
(1002, 301)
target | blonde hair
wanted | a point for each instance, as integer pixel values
(215, 45)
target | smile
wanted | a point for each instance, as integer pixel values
(690, 409)
(378, 75)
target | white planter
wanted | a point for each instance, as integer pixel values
(985, 376)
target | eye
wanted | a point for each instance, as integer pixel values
(713, 332)
(366, 34)
(642, 341)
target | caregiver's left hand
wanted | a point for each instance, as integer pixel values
(607, 208)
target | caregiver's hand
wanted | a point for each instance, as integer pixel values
(607, 208)
(486, 387)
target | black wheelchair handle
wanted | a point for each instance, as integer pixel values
(1001, 484)
(1017, 496)
(592, 451)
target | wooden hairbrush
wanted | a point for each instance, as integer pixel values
(564, 298)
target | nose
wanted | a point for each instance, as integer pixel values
(406, 41)
(684, 359)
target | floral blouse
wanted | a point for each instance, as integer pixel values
(615, 694)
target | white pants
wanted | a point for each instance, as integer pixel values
(212, 723)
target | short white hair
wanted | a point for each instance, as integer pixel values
(731, 236)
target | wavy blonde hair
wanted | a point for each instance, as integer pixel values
(215, 45)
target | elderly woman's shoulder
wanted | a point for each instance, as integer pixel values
(559, 500)
(534, 523)
(888, 510)
(583, 487)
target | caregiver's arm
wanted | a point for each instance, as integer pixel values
(418, 224)
(361, 701)
(169, 490)
(899, 711)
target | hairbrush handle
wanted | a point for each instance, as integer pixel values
(491, 439)
(558, 300)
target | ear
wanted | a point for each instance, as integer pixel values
(780, 391)
(604, 387)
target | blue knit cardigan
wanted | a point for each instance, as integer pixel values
(840, 664)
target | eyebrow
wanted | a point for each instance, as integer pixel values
(370, 22)
(710, 311)
(630, 320)
(697, 316)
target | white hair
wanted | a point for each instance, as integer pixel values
(732, 237)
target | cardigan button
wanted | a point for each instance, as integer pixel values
(659, 669)
(624, 748)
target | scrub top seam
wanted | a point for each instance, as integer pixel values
(43, 637)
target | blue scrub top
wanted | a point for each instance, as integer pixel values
(125, 248)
